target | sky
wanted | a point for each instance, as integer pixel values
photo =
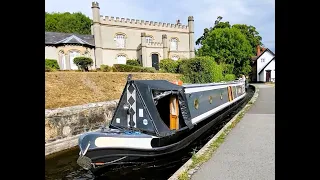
(258, 13)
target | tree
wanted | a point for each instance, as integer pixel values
(217, 24)
(249, 31)
(251, 34)
(67, 23)
(228, 46)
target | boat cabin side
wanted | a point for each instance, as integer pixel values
(160, 108)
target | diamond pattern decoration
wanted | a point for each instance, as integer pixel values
(131, 100)
(131, 111)
(131, 88)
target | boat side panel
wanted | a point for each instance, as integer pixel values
(207, 100)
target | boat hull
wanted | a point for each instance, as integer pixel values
(104, 159)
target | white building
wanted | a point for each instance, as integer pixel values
(263, 66)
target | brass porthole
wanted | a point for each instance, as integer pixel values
(196, 103)
(210, 99)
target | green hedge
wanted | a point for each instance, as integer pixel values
(200, 70)
(51, 65)
(133, 62)
(83, 63)
(229, 77)
(129, 68)
(169, 65)
(105, 68)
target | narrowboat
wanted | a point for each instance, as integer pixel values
(155, 118)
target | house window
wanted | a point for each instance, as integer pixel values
(175, 57)
(62, 59)
(120, 40)
(73, 54)
(122, 59)
(262, 59)
(149, 39)
(174, 44)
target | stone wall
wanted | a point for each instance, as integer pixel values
(64, 125)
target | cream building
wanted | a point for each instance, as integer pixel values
(115, 40)
(64, 47)
(118, 39)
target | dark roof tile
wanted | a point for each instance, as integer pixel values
(53, 38)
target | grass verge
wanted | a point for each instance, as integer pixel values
(64, 89)
(197, 160)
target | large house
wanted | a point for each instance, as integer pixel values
(263, 66)
(115, 40)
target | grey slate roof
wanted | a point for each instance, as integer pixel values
(55, 38)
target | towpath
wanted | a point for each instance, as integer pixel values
(248, 152)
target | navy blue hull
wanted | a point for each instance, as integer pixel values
(175, 143)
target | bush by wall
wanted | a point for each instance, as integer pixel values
(83, 63)
(229, 77)
(169, 65)
(200, 70)
(105, 68)
(129, 68)
(51, 65)
(133, 62)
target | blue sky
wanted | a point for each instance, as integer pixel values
(258, 13)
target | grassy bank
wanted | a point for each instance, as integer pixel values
(64, 89)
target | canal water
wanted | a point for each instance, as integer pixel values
(63, 166)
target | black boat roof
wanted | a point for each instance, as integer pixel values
(142, 95)
(158, 84)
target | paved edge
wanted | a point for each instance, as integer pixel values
(63, 144)
(185, 168)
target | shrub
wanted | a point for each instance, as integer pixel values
(105, 68)
(149, 69)
(49, 69)
(200, 70)
(129, 68)
(133, 62)
(169, 65)
(229, 77)
(51, 65)
(83, 63)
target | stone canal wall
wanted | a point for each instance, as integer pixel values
(63, 126)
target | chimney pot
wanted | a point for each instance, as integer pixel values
(258, 50)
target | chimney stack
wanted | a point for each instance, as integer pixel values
(258, 50)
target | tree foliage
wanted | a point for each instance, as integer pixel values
(67, 23)
(251, 34)
(228, 46)
(249, 31)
